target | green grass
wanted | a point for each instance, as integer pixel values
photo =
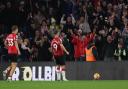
(88, 84)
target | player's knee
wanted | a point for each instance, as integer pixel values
(57, 69)
(62, 68)
(13, 65)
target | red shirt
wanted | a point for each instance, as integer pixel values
(10, 40)
(80, 45)
(77, 46)
(56, 48)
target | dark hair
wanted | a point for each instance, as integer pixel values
(14, 27)
(44, 21)
(127, 24)
(56, 32)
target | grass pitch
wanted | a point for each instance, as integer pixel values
(88, 84)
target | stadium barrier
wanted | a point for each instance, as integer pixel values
(45, 71)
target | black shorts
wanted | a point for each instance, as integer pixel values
(13, 57)
(60, 60)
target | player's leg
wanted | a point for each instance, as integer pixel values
(58, 73)
(63, 72)
(6, 72)
(13, 67)
(63, 67)
(8, 69)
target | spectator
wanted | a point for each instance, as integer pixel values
(109, 49)
(53, 26)
(86, 27)
(68, 23)
(91, 52)
(67, 7)
(80, 42)
(44, 27)
(125, 34)
(34, 53)
(45, 51)
(38, 18)
(120, 53)
(76, 40)
(125, 37)
(38, 38)
(25, 50)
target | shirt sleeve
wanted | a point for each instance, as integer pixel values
(60, 41)
(15, 37)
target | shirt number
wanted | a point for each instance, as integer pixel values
(55, 47)
(10, 42)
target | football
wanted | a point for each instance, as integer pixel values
(96, 76)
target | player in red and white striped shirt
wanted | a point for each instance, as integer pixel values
(59, 51)
(13, 52)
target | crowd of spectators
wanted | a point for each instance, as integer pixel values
(105, 22)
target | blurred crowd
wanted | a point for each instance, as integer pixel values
(105, 22)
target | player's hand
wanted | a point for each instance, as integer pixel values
(63, 15)
(19, 53)
(67, 53)
(53, 58)
(28, 49)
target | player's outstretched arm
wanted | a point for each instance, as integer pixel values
(62, 46)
